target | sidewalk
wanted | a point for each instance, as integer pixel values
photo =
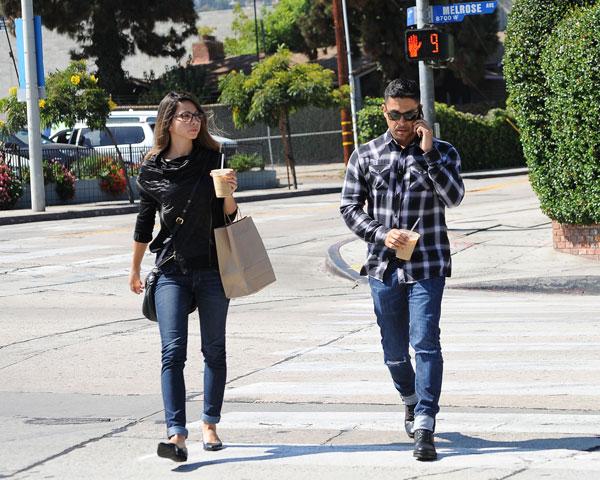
(312, 180)
(500, 241)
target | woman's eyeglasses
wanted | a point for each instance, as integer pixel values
(187, 117)
(409, 116)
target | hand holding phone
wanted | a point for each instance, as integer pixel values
(425, 133)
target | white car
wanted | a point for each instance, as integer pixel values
(134, 139)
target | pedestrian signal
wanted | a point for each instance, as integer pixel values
(428, 44)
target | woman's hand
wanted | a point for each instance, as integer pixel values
(231, 179)
(135, 282)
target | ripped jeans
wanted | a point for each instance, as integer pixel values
(410, 314)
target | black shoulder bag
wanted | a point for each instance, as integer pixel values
(148, 305)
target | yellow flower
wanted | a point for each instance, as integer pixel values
(12, 91)
(111, 105)
(93, 79)
(1, 124)
(75, 79)
(42, 103)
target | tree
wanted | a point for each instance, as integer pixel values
(244, 42)
(296, 24)
(110, 30)
(73, 95)
(273, 90)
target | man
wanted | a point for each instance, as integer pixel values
(406, 177)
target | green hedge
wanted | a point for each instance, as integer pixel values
(483, 142)
(529, 45)
(572, 190)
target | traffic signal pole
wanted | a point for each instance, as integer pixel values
(426, 72)
(342, 64)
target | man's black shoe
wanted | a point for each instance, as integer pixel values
(409, 419)
(424, 447)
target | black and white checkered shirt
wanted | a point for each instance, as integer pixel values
(399, 186)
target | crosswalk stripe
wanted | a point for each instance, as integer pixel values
(348, 389)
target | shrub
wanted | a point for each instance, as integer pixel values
(90, 167)
(483, 142)
(112, 179)
(11, 188)
(529, 30)
(571, 193)
(64, 180)
(242, 162)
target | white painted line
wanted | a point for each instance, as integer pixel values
(460, 347)
(54, 252)
(369, 388)
(449, 366)
(464, 422)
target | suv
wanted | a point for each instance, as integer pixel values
(133, 139)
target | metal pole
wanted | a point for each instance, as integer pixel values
(350, 75)
(256, 32)
(425, 72)
(38, 199)
(342, 77)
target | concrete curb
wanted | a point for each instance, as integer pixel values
(336, 264)
(512, 172)
(105, 211)
(581, 284)
(258, 197)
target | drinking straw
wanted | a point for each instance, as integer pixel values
(222, 159)
(413, 227)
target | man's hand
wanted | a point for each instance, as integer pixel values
(413, 46)
(396, 238)
(425, 134)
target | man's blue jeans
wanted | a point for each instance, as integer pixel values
(410, 313)
(174, 293)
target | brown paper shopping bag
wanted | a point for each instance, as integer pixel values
(243, 261)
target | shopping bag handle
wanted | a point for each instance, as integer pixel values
(227, 218)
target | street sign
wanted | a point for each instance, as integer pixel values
(39, 57)
(453, 13)
(428, 44)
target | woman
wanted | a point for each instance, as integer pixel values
(174, 180)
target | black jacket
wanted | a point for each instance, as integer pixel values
(165, 187)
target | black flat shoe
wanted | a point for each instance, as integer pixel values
(424, 447)
(409, 419)
(212, 446)
(172, 452)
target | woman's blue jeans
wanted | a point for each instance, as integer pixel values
(410, 314)
(174, 293)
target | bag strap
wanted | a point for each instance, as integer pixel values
(179, 221)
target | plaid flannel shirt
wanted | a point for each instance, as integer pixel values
(400, 186)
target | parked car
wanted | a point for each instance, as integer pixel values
(16, 147)
(134, 139)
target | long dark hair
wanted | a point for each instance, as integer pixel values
(166, 114)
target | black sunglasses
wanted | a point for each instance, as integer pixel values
(409, 116)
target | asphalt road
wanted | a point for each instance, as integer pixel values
(308, 395)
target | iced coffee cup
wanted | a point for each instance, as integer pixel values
(222, 187)
(405, 252)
